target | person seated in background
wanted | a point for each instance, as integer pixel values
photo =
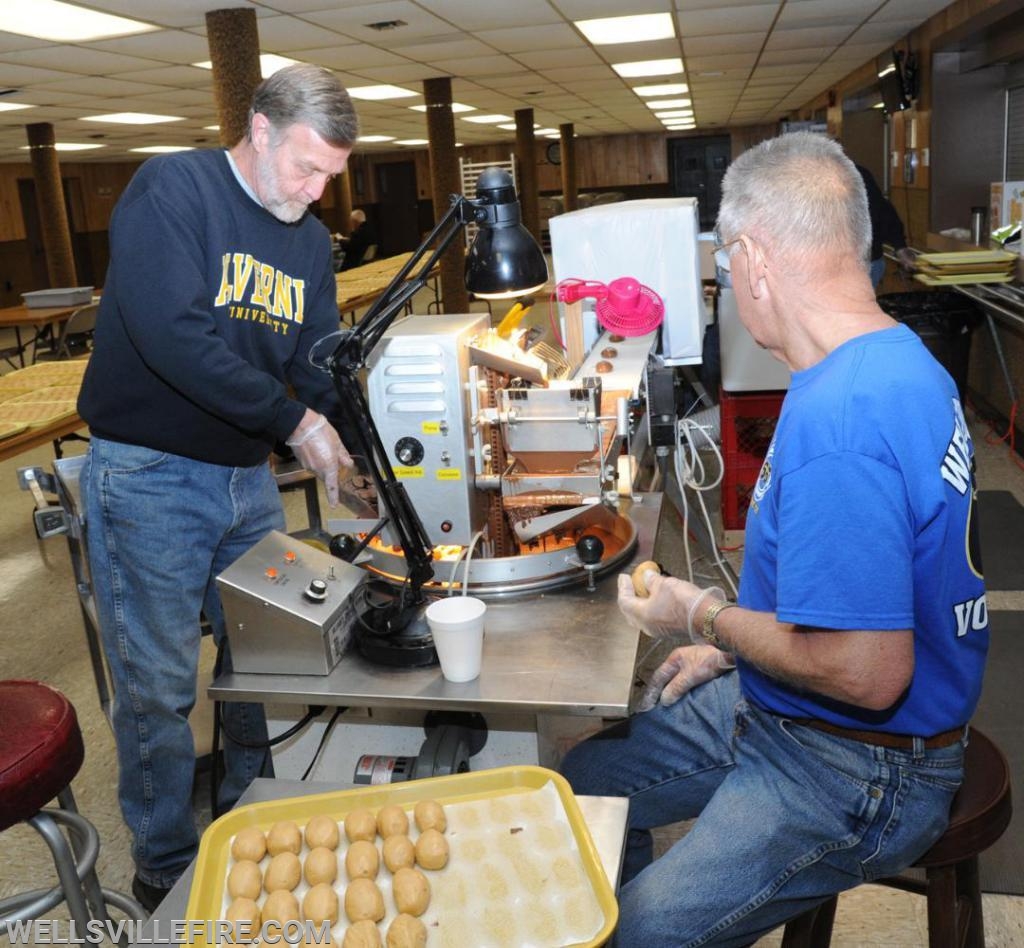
(886, 228)
(360, 239)
(816, 731)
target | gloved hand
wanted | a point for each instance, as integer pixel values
(318, 449)
(907, 259)
(684, 669)
(669, 609)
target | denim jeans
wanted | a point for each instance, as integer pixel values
(787, 815)
(160, 528)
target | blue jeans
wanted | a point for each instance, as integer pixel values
(788, 815)
(160, 528)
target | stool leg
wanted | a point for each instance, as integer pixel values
(90, 881)
(943, 927)
(813, 929)
(968, 885)
(67, 872)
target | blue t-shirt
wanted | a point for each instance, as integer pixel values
(863, 517)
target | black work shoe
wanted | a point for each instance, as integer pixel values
(148, 896)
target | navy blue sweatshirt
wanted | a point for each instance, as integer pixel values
(209, 309)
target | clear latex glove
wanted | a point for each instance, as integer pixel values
(318, 449)
(907, 258)
(663, 613)
(684, 669)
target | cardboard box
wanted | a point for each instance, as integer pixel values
(1006, 204)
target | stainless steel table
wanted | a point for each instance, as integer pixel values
(563, 652)
(605, 818)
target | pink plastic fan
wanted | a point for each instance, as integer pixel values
(625, 306)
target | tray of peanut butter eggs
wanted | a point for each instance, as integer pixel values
(496, 858)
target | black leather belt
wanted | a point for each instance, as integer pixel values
(883, 738)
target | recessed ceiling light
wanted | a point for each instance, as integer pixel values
(269, 63)
(456, 107)
(627, 29)
(375, 138)
(412, 141)
(379, 92)
(666, 88)
(12, 106)
(649, 67)
(488, 119)
(64, 22)
(674, 113)
(669, 104)
(162, 149)
(132, 118)
(69, 146)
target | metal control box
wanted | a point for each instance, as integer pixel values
(288, 607)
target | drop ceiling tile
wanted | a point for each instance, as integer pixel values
(188, 76)
(803, 59)
(180, 13)
(725, 18)
(99, 85)
(408, 77)
(287, 34)
(353, 57)
(809, 13)
(450, 47)
(353, 21)
(723, 43)
(577, 74)
(79, 59)
(719, 62)
(481, 66)
(594, 9)
(811, 38)
(887, 31)
(167, 46)
(912, 11)
(545, 59)
(534, 37)
(474, 16)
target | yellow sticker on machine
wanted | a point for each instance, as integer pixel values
(449, 474)
(408, 472)
(431, 427)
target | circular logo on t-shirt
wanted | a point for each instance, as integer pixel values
(764, 478)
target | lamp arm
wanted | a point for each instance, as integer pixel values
(375, 322)
(412, 535)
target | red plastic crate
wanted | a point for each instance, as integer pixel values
(748, 423)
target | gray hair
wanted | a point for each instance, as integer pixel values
(800, 196)
(311, 95)
(358, 215)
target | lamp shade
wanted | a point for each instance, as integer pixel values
(504, 259)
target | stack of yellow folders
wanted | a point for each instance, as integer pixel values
(968, 266)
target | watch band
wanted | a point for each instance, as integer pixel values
(708, 628)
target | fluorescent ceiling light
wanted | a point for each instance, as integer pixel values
(70, 146)
(669, 104)
(878, 105)
(885, 72)
(552, 136)
(12, 106)
(456, 107)
(375, 138)
(513, 127)
(649, 67)
(547, 131)
(162, 149)
(412, 141)
(64, 22)
(488, 119)
(666, 88)
(377, 93)
(211, 128)
(627, 29)
(682, 127)
(133, 118)
(675, 113)
(269, 63)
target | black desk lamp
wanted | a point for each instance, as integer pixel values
(504, 261)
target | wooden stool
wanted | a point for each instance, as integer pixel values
(41, 751)
(980, 814)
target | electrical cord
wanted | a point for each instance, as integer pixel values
(691, 472)
(466, 551)
(323, 740)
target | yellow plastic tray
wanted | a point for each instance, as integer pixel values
(967, 257)
(963, 278)
(206, 895)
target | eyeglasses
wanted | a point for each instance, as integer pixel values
(722, 257)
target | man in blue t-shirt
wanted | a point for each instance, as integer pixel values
(220, 283)
(831, 754)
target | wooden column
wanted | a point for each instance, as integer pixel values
(343, 200)
(235, 53)
(526, 153)
(444, 182)
(567, 149)
(53, 215)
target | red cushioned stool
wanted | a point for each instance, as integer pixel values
(980, 813)
(41, 751)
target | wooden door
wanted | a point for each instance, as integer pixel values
(397, 200)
